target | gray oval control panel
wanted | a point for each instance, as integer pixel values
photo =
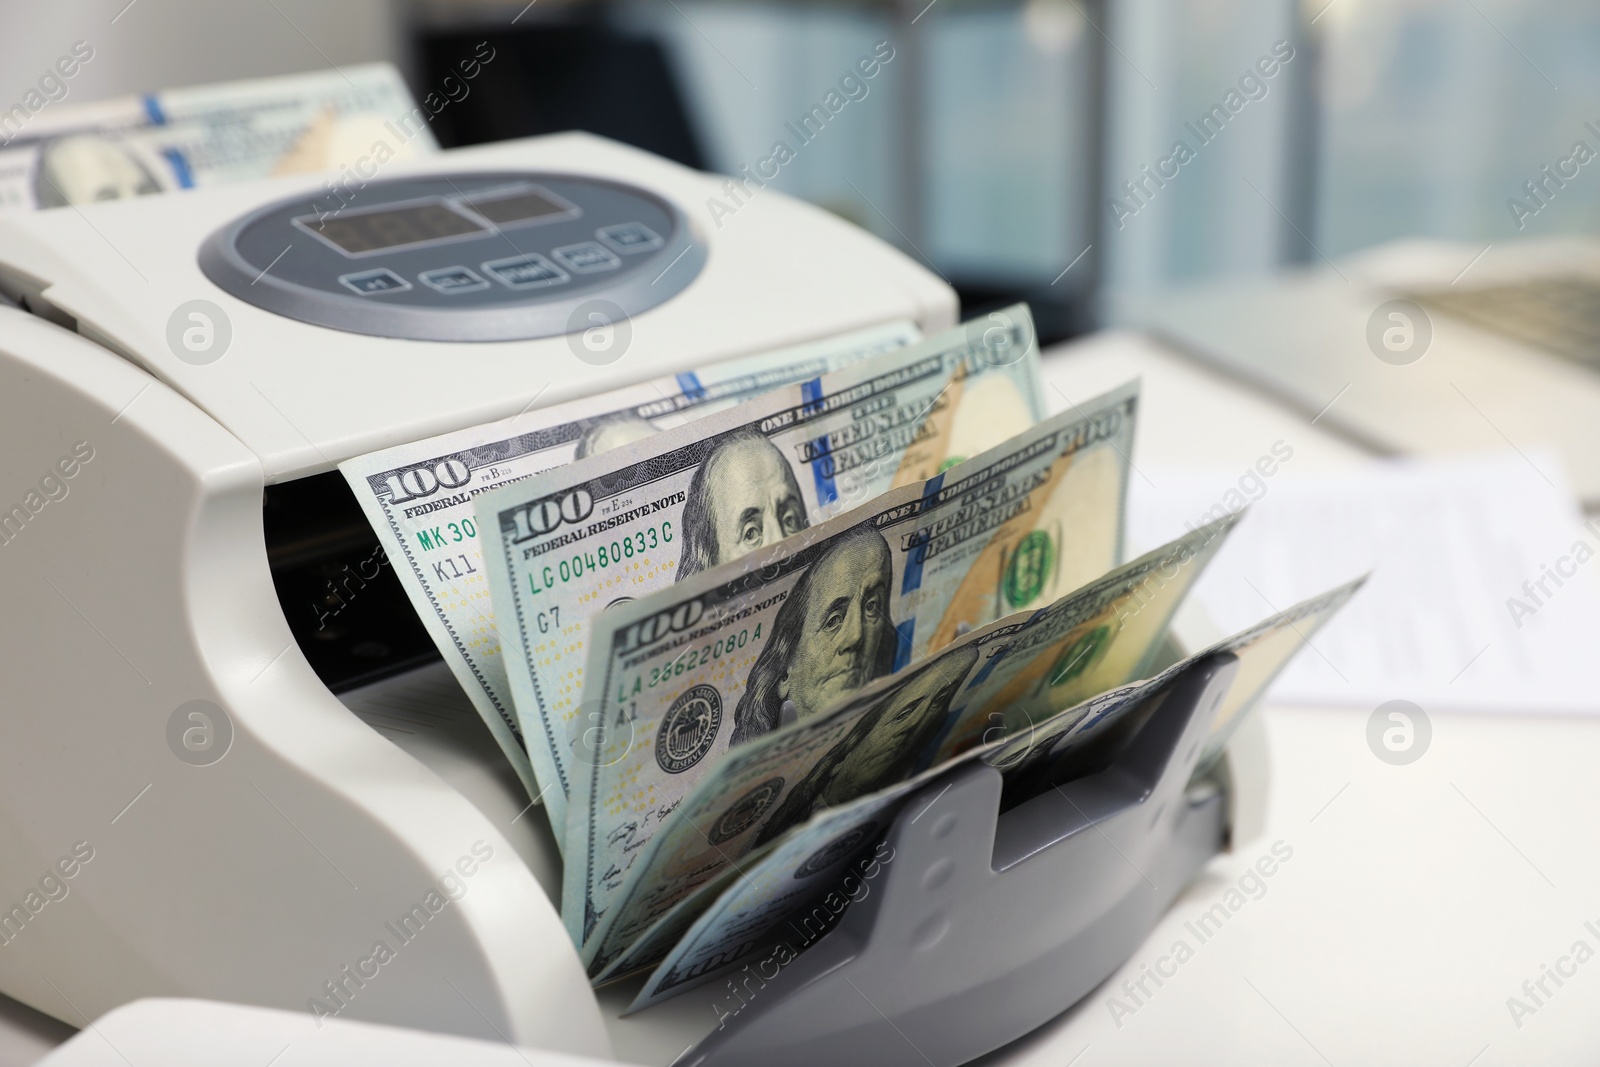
(459, 257)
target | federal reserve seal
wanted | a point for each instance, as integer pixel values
(689, 729)
(746, 812)
(1080, 656)
(835, 850)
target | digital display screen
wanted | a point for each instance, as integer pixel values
(374, 231)
(520, 206)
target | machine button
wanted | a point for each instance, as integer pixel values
(532, 271)
(587, 258)
(372, 282)
(630, 237)
(452, 280)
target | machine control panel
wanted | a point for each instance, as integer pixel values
(460, 257)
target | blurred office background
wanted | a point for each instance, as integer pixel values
(994, 143)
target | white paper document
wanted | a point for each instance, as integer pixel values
(1484, 577)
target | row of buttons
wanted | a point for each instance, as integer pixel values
(531, 271)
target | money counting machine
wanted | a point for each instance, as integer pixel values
(234, 767)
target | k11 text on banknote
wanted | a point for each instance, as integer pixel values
(569, 542)
(419, 500)
(731, 654)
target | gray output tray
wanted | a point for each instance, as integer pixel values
(987, 925)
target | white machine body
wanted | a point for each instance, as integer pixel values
(201, 1033)
(370, 853)
(301, 398)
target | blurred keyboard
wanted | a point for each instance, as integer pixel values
(1559, 315)
(1511, 358)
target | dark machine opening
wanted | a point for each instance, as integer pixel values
(345, 606)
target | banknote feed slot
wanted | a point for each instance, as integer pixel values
(347, 610)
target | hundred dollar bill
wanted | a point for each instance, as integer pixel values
(886, 733)
(1264, 651)
(677, 678)
(204, 135)
(1056, 751)
(606, 529)
(760, 918)
(777, 901)
(1105, 633)
(419, 499)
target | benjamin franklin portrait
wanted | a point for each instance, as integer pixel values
(743, 497)
(612, 431)
(832, 636)
(84, 168)
(886, 746)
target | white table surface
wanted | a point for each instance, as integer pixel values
(1417, 898)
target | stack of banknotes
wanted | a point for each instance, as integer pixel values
(726, 624)
(66, 152)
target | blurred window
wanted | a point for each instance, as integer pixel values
(1437, 112)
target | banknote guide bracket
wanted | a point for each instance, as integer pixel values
(981, 927)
